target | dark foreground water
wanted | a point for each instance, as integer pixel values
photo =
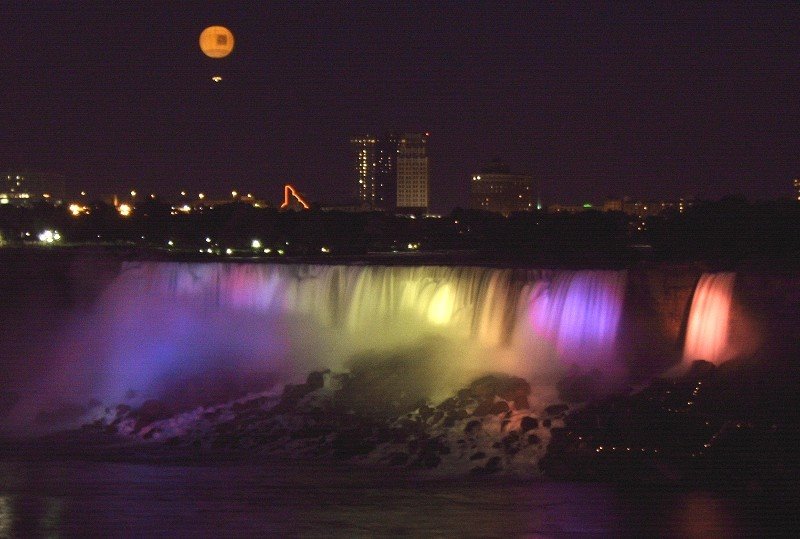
(75, 498)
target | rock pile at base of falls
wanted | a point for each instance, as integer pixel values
(485, 428)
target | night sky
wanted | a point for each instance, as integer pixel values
(594, 99)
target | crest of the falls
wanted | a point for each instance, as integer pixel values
(533, 316)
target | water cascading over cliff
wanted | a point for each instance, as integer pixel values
(160, 322)
(708, 327)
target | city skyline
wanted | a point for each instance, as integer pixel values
(593, 100)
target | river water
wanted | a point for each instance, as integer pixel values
(78, 498)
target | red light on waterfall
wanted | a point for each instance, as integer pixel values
(288, 192)
(709, 319)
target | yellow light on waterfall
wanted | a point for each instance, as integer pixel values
(216, 42)
(440, 309)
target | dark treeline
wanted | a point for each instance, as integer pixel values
(726, 231)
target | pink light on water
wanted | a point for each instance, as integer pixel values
(709, 319)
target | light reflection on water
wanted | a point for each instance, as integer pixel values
(76, 498)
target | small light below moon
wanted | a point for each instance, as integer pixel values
(216, 78)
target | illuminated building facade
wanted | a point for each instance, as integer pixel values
(413, 172)
(363, 148)
(375, 161)
(386, 172)
(796, 183)
(496, 189)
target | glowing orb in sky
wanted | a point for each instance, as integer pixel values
(216, 42)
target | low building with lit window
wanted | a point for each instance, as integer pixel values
(496, 189)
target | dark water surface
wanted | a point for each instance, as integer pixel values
(75, 498)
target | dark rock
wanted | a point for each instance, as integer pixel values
(521, 403)
(483, 409)
(533, 439)
(499, 407)
(513, 389)
(430, 460)
(62, 414)
(316, 380)
(122, 410)
(398, 459)
(247, 405)
(578, 387)
(150, 433)
(556, 409)
(460, 414)
(478, 456)
(449, 422)
(152, 410)
(448, 405)
(424, 412)
(700, 369)
(472, 427)
(547, 423)
(493, 465)
(437, 416)
(349, 444)
(504, 424)
(497, 445)
(528, 423)
(485, 388)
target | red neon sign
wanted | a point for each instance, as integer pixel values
(289, 190)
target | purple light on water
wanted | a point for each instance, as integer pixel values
(579, 313)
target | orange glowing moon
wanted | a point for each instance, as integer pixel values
(216, 42)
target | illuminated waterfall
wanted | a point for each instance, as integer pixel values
(709, 319)
(579, 313)
(179, 318)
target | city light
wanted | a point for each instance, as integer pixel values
(325, 250)
(77, 209)
(288, 192)
(255, 244)
(49, 236)
(124, 210)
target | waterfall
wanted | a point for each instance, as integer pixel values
(709, 319)
(161, 328)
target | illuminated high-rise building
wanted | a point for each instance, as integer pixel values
(375, 161)
(386, 172)
(496, 189)
(363, 147)
(413, 173)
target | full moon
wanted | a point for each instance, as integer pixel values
(216, 42)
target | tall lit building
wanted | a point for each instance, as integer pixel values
(796, 183)
(386, 172)
(413, 173)
(363, 147)
(496, 189)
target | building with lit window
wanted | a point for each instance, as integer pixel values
(796, 183)
(375, 160)
(26, 188)
(363, 150)
(413, 173)
(496, 189)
